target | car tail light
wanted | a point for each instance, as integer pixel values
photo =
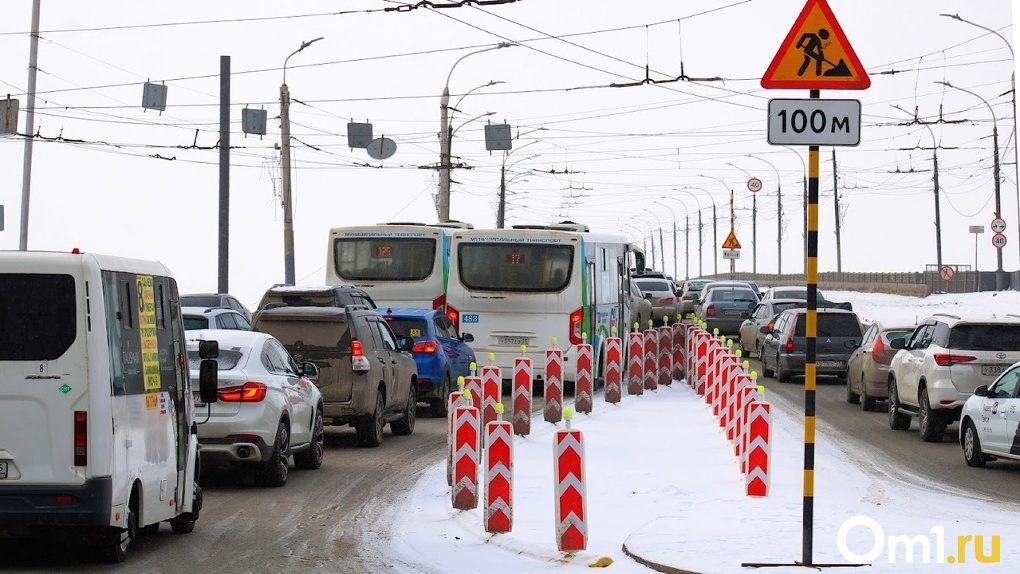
(948, 359)
(358, 359)
(429, 346)
(771, 325)
(789, 345)
(454, 316)
(439, 302)
(249, 392)
(81, 435)
(878, 352)
(710, 311)
(576, 324)
(670, 299)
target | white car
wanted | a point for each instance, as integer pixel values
(213, 318)
(990, 423)
(266, 409)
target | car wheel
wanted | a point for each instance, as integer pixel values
(781, 375)
(405, 425)
(441, 406)
(897, 420)
(851, 397)
(765, 370)
(972, 446)
(867, 403)
(275, 470)
(311, 458)
(370, 429)
(115, 551)
(929, 423)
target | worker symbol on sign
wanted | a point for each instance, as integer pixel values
(814, 49)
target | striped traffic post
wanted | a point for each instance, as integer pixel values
(756, 479)
(499, 473)
(465, 464)
(553, 395)
(636, 362)
(651, 365)
(747, 396)
(614, 368)
(691, 368)
(704, 341)
(665, 352)
(583, 388)
(679, 348)
(571, 504)
(729, 387)
(492, 391)
(455, 400)
(474, 384)
(522, 394)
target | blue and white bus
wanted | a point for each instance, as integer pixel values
(526, 285)
(398, 264)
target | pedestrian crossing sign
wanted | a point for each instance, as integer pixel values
(731, 241)
(816, 55)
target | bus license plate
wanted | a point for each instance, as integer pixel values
(992, 370)
(3, 469)
(469, 318)
(513, 341)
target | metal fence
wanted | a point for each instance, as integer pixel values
(963, 279)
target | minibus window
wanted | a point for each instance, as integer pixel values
(38, 316)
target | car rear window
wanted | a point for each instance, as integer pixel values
(227, 359)
(831, 325)
(200, 301)
(654, 285)
(38, 312)
(192, 322)
(416, 328)
(985, 337)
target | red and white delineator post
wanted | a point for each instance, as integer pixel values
(465, 456)
(499, 473)
(636, 362)
(665, 352)
(679, 348)
(691, 364)
(759, 435)
(701, 364)
(571, 499)
(553, 408)
(747, 395)
(522, 394)
(614, 369)
(474, 384)
(492, 391)
(651, 353)
(583, 386)
(455, 400)
(726, 398)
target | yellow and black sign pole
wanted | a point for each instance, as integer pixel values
(811, 332)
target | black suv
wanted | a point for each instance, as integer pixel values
(783, 352)
(315, 296)
(215, 300)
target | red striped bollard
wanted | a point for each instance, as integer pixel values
(729, 384)
(726, 359)
(636, 362)
(499, 473)
(474, 384)
(691, 366)
(454, 401)
(748, 395)
(465, 456)
(736, 400)
(583, 388)
(679, 348)
(553, 410)
(756, 479)
(614, 369)
(714, 349)
(492, 391)
(665, 352)
(704, 340)
(571, 504)
(651, 364)
(522, 394)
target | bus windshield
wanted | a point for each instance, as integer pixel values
(515, 266)
(385, 258)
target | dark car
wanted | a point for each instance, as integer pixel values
(441, 353)
(725, 307)
(315, 296)
(800, 292)
(785, 345)
(762, 314)
(208, 300)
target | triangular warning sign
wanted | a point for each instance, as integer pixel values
(816, 55)
(731, 242)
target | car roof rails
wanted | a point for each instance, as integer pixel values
(950, 315)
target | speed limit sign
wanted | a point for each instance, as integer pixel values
(754, 184)
(999, 240)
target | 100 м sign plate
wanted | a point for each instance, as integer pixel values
(814, 122)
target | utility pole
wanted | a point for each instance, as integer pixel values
(835, 195)
(26, 174)
(733, 220)
(501, 213)
(701, 245)
(224, 157)
(715, 242)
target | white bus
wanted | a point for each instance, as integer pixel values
(526, 285)
(398, 264)
(96, 408)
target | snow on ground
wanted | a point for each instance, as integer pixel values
(662, 481)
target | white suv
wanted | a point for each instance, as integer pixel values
(938, 367)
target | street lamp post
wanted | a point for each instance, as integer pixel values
(701, 226)
(754, 223)
(445, 135)
(1000, 276)
(501, 209)
(715, 225)
(805, 201)
(288, 211)
(651, 238)
(687, 249)
(662, 247)
(779, 212)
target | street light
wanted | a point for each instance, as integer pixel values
(1000, 276)
(715, 226)
(687, 229)
(1012, 91)
(288, 212)
(779, 211)
(662, 248)
(445, 135)
(701, 226)
(804, 175)
(754, 222)
(651, 237)
(501, 210)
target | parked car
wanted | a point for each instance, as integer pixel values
(783, 350)
(315, 296)
(366, 375)
(867, 379)
(213, 318)
(762, 314)
(944, 360)
(266, 410)
(215, 300)
(990, 422)
(640, 308)
(800, 292)
(725, 307)
(661, 295)
(690, 293)
(440, 352)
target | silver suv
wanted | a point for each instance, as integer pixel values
(938, 367)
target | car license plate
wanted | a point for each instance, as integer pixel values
(992, 370)
(830, 364)
(3, 469)
(732, 312)
(513, 341)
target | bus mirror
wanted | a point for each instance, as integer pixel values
(208, 349)
(207, 383)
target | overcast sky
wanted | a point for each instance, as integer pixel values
(144, 184)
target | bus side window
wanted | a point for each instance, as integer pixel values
(111, 300)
